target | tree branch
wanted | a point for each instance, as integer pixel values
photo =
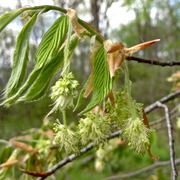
(173, 113)
(72, 157)
(153, 62)
(143, 170)
(165, 99)
(171, 139)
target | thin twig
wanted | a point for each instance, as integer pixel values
(153, 62)
(173, 113)
(72, 157)
(171, 140)
(165, 99)
(163, 126)
(143, 170)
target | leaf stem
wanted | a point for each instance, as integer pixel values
(47, 8)
(86, 25)
(128, 89)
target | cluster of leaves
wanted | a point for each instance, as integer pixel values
(48, 60)
(56, 48)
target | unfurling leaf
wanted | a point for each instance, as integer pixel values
(20, 58)
(52, 41)
(40, 86)
(49, 57)
(102, 82)
(6, 18)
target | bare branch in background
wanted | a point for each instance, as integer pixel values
(173, 113)
(95, 7)
(153, 62)
(165, 99)
(171, 139)
(143, 170)
(105, 18)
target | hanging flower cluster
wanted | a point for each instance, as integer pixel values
(136, 134)
(127, 115)
(66, 138)
(64, 91)
(94, 128)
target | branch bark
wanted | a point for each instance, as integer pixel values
(72, 157)
(173, 113)
(165, 99)
(143, 170)
(171, 140)
(153, 62)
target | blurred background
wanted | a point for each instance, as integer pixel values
(127, 21)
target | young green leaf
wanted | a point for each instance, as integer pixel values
(52, 41)
(46, 52)
(6, 18)
(37, 83)
(40, 86)
(102, 82)
(20, 58)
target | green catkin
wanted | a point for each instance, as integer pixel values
(64, 91)
(66, 138)
(93, 128)
(135, 132)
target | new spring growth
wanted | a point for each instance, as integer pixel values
(136, 134)
(117, 53)
(94, 128)
(121, 111)
(127, 115)
(66, 138)
(43, 147)
(64, 91)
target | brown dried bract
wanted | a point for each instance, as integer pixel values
(140, 46)
(23, 146)
(116, 55)
(74, 19)
(9, 163)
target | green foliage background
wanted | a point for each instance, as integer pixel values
(149, 84)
